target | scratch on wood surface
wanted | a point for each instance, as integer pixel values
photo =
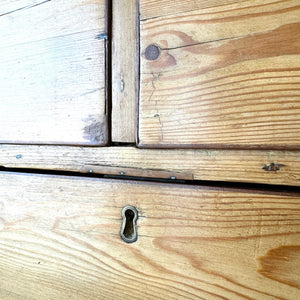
(24, 8)
(195, 43)
(155, 78)
(92, 91)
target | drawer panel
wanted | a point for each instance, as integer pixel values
(250, 166)
(60, 239)
(52, 72)
(219, 74)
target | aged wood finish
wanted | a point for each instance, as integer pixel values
(272, 167)
(124, 71)
(59, 239)
(52, 72)
(227, 74)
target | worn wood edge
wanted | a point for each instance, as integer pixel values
(138, 72)
(107, 50)
(124, 56)
(218, 146)
(251, 166)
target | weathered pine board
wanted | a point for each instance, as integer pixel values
(227, 74)
(124, 71)
(253, 166)
(59, 239)
(52, 72)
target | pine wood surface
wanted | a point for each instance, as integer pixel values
(52, 72)
(227, 74)
(59, 239)
(124, 71)
(256, 166)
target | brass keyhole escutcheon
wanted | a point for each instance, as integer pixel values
(128, 229)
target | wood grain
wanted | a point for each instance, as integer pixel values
(124, 71)
(52, 72)
(256, 166)
(59, 239)
(227, 74)
(153, 8)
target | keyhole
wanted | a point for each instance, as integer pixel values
(128, 230)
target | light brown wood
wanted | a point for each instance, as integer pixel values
(52, 72)
(124, 70)
(59, 239)
(271, 167)
(227, 74)
(153, 8)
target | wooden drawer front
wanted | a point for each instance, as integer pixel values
(59, 239)
(219, 74)
(52, 72)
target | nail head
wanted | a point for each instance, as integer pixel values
(152, 52)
